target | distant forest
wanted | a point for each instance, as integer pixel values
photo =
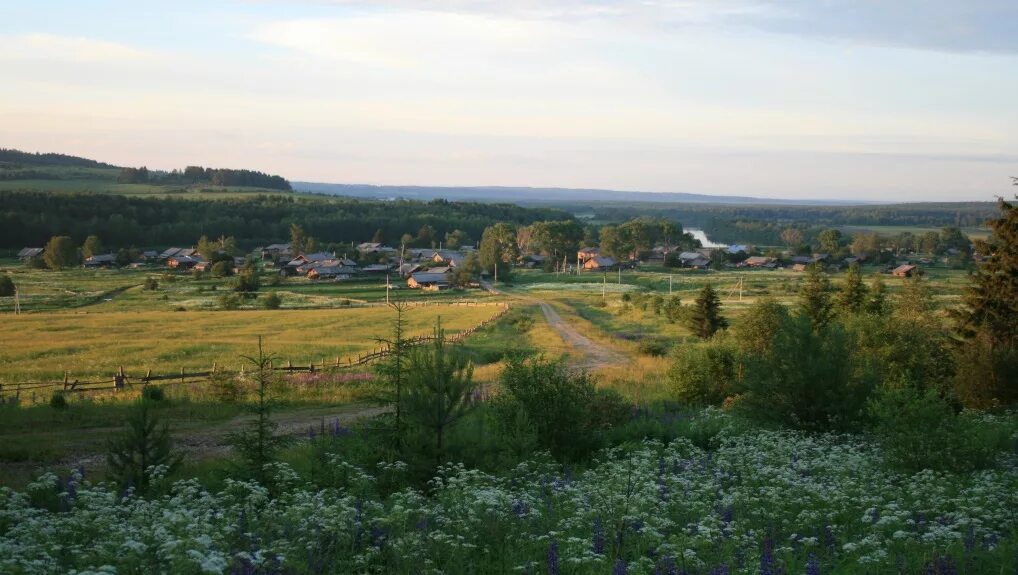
(17, 158)
(31, 218)
(763, 224)
(198, 175)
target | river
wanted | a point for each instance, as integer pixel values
(704, 241)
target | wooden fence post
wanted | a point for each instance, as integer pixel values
(181, 374)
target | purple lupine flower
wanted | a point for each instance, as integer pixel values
(378, 537)
(969, 540)
(519, 508)
(666, 566)
(311, 433)
(598, 538)
(768, 564)
(553, 558)
(941, 565)
(727, 514)
(620, 567)
(720, 570)
(812, 565)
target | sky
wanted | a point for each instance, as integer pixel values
(901, 100)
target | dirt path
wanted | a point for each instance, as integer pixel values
(212, 441)
(592, 355)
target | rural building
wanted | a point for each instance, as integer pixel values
(693, 260)
(906, 271)
(586, 253)
(275, 252)
(336, 272)
(183, 262)
(598, 263)
(28, 253)
(799, 267)
(377, 269)
(760, 262)
(449, 257)
(737, 248)
(534, 260)
(101, 261)
(408, 268)
(149, 255)
(428, 280)
(804, 260)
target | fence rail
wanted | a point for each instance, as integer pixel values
(121, 379)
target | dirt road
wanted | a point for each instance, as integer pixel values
(590, 354)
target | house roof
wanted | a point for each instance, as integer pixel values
(802, 260)
(334, 270)
(169, 252)
(186, 259)
(150, 253)
(736, 248)
(758, 260)
(691, 256)
(376, 268)
(904, 268)
(603, 261)
(318, 256)
(100, 259)
(277, 247)
(30, 252)
(430, 277)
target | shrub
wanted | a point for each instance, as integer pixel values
(809, 379)
(229, 301)
(705, 373)
(153, 393)
(225, 388)
(920, 429)
(555, 400)
(151, 284)
(247, 281)
(655, 347)
(272, 301)
(222, 269)
(58, 401)
(6, 286)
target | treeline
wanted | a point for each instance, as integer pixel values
(762, 224)
(200, 175)
(19, 158)
(32, 218)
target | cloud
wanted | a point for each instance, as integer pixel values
(67, 49)
(946, 25)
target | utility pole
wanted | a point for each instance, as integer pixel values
(17, 301)
(669, 284)
(604, 286)
(388, 286)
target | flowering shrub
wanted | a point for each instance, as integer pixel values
(761, 502)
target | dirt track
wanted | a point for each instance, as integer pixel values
(591, 355)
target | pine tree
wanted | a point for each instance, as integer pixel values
(852, 298)
(439, 386)
(705, 318)
(914, 301)
(258, 445)
(990, 302)
(876, 304)
(988, 319)
(392, 371)
(142, 446)
(815, 298)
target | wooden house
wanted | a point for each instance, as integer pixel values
(598, 263)
(28, 253)
(906, 271)
(428, 280)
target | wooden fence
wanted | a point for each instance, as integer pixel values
(121, 379)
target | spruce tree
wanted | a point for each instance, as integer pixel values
(145, 444)
(705, 318)
(876, 303)
(258, 444)
(815, 297)
(987, 321)
(392, 371)
(852, 297)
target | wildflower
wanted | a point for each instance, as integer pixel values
(620, 567)
(812, 565)
(598, 538)
(553, 558)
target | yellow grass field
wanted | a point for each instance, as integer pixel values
(38, 347)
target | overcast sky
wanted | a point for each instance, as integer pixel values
(849, 99)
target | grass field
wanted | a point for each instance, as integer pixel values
(42, 346)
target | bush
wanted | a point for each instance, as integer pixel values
(558, 403)
(153, 393)
(222, 269)
(225, 388)
(809, 379)
(151, 284)
(705, 373)
(229, 301)
(655, 347)
(58, 401)
(6, 286)
(921, 430)
(247, 281)
(272, 301)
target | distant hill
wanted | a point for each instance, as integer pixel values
(10, 156)
(544, 195)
